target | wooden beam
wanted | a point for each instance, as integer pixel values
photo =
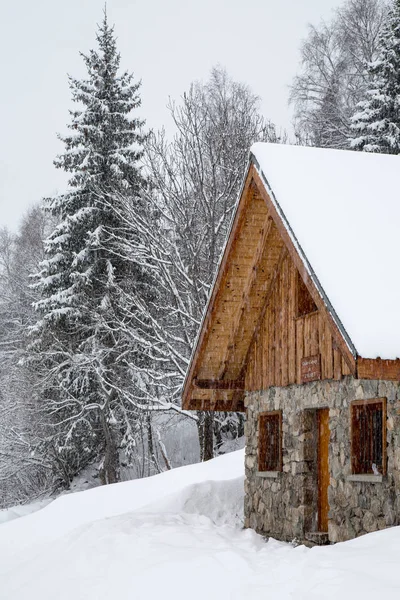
(218, 384)
(224, 401)
(377, 368)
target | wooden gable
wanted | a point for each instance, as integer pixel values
(266, 323)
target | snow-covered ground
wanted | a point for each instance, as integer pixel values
(21, 510)
(175, 536)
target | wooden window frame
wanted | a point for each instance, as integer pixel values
(262, 462)
(383, 402)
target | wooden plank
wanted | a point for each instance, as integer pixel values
(265, 358)
(337, 364)
(314, 333)
(270, 341)
(322, 344)
(260, 358)
(249, 377)
(277, 328)
(345, 368)
(328, 349)
(368, 368)
(292, 324)
(299, 347)
(307, 336)
(284, 330)
(212, 384)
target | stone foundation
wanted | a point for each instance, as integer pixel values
(284, 504)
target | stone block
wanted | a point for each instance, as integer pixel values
(369, 522)
(376, 507)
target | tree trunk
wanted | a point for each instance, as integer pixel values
(241, 422)
(218, 436)
(150, 445)
(109, 472)
(208, 435)
(200, 432)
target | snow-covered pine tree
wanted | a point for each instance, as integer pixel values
(376, 123)
(85, 360)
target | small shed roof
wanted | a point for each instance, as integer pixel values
(342, 210)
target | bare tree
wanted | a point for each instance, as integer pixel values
(333, 75)
(195, 180)
(24, 471)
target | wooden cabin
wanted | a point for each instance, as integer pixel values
(302, 332)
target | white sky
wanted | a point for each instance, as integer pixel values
(166, 43)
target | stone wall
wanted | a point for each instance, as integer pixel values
(283, 505)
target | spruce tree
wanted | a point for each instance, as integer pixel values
(376, 124)
(84, 357)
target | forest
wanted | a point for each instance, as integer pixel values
(103, 287)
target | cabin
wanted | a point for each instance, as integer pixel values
(302, 332)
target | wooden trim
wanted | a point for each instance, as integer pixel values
(323, 467)
(298, 261)
(217, 384)
(314, 312)
(382, 401)
(377, 368)
(218, 400)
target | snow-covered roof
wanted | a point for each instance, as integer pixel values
(343, 209)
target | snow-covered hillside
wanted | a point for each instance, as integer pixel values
(178, 535)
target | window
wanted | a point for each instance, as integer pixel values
(368, 436)
(305, 304)
(270, 441)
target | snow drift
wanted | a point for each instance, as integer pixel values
(179, 535)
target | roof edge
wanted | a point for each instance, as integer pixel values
(253, 160)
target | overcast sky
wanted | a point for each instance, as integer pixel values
(166, 43)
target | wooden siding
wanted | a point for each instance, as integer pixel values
(283, 339)
(369, 368)
(252, 337)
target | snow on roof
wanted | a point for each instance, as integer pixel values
(343, 207)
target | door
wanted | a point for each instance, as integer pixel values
(323, 468)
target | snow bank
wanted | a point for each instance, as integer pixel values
(21, 510)
(175, 536)
(344, 210)
(73, 510)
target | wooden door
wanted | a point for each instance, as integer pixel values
(323, 468)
